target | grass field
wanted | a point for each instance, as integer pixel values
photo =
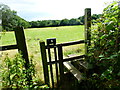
(63, 34)
(34, 35)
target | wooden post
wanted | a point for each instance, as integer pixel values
(51, 69)
(52, 41)
(87, 29)
(44, 62)
(56, 65)
(61, 67)
(22, 48)
(21, 44)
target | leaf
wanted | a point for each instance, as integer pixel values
(101, 56)
(12, 76)
(102, 37)
(110, 26)
(111, 42)
(113, 56)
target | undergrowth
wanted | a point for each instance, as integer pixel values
(15, 75)
(104, 55)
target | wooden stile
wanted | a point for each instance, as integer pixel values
(51, 43)
(74, 71)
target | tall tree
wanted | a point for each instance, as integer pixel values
(10, 19)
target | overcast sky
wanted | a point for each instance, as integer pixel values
(54, 9)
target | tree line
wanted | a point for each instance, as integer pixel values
(10, 20)
(63, 22)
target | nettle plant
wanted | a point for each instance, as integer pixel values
(105, 53)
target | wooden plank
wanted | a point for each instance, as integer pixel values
(72, 43)
(73, 58)
(67, 43)
(61, 68)
(9, 47)
(51, 69)
(83, 63)
(56, 65)
(66, 59)
(51, 41)
(44, 62)
(73, 70)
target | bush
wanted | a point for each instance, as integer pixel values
(105, 53)
(15, 75)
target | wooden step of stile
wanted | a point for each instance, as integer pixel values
(74, 71)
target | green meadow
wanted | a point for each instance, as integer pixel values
(34, 35)
(63, 34)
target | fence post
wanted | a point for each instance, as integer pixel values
(22, 48)
(61, 67)
(87, 29)
(21, 44)
(44, 62)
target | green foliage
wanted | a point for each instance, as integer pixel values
(10, 19)
(15, 75)
(63, 22)
(81, 19)
(105, 53)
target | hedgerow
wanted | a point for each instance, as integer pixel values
(104, 54)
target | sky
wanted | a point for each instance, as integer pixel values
(32, 10)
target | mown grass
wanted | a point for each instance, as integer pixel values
(34, 35)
